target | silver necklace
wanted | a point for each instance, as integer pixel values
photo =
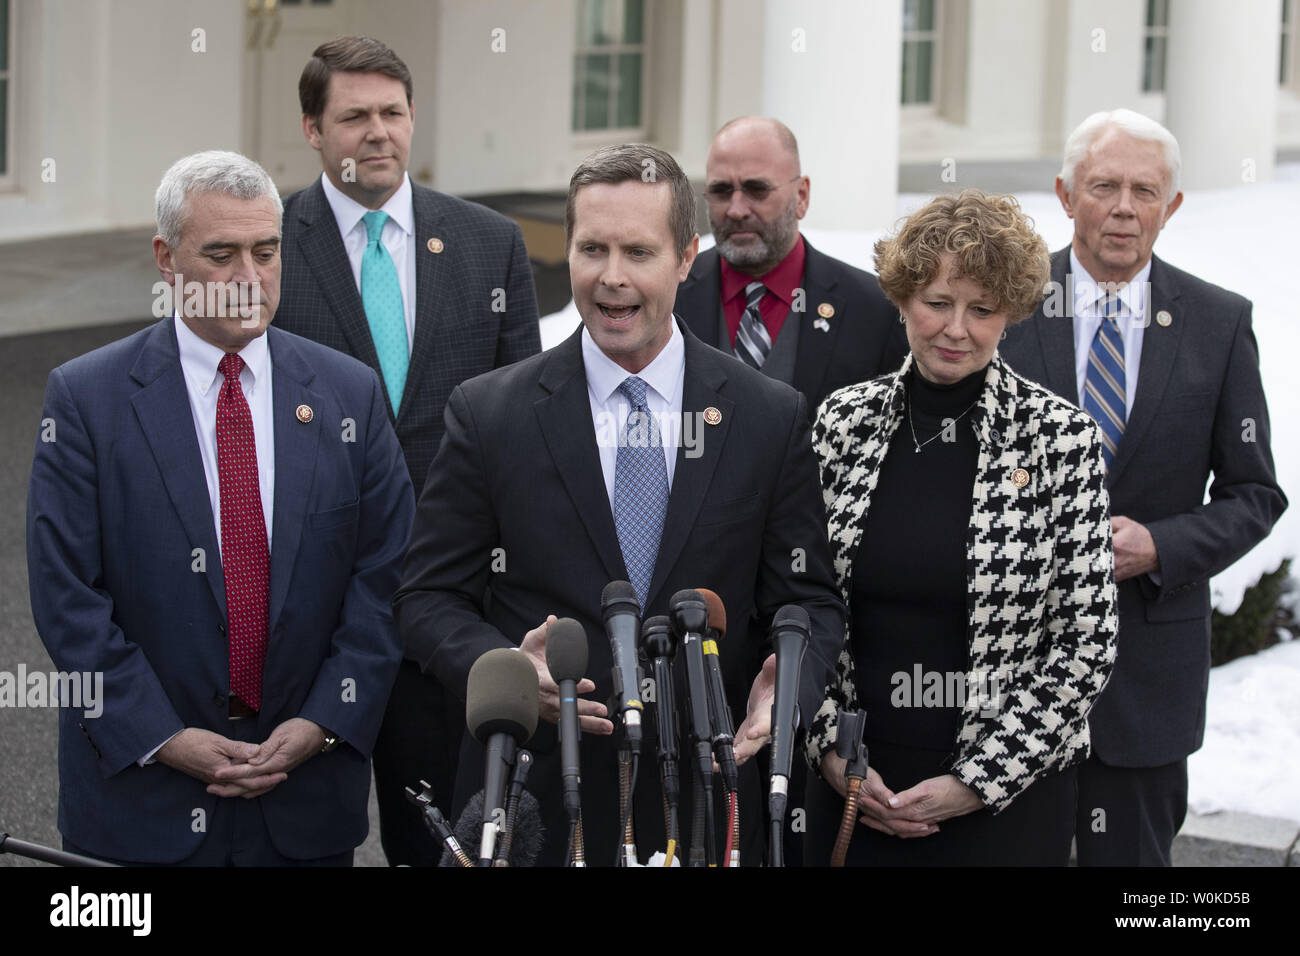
(912, 424)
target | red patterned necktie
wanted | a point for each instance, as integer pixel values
(245, 559)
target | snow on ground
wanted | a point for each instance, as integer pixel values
(1251, 757)
(1243, 239)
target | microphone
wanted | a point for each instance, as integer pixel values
(528, 832)
(724, 734)
(621, 613)
(566, 657)
(437, 825)
(501, 701)
(690, 617)
(789, 634)
(659, 645)
(518, 780)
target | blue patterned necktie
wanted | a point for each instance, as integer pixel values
(753, 344)
(640, 489)
(381, 296)
(1103, 386)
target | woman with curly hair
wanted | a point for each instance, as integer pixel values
(969, 523)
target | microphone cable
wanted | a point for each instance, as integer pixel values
(626, 788)
(849, 746)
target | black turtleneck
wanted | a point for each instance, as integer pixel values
(908, 597)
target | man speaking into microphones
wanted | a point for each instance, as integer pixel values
(630, 452)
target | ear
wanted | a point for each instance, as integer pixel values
(1172, 208)
(162, 255)
(311, 130)
(804, 191)
(688, 258)
(1062, 195)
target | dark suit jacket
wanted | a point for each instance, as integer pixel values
(864, 340)
(476, 308)
(1198, 383)
(520, 471)
(117, 509)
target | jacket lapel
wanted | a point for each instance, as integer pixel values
(1159, 350)
(1056, 334)
(704, 377)
(322, 248)
(699, 298)
(564, 416)
(162, 406)
(817, 344)
(431, 290)
(295, 461)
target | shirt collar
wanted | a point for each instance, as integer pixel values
(663, 374)
(348, 212)
(200, 359)
(781, 280)
(1087, 291)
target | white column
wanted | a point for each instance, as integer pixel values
(831, 73)
(1221, 89)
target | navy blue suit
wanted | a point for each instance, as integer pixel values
(126, 579)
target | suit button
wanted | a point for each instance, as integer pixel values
(221, 629)
(219, 700)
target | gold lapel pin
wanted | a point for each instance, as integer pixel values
(1020, 477)
(1164, 319)
(304, 413)
(712, 416)
(826, 310)
(435, 245)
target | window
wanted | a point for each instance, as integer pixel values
(1156, 43)
(1288, 32)
(920, 40)
(6, 91)
(609, 65)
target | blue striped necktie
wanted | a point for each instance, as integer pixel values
(1103, 386)
(381, 297)
(753, 344)
(640, 489)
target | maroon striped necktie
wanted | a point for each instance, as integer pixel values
(245, 558)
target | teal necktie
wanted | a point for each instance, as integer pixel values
(381, 297)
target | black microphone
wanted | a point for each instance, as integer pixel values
(528, 832)
(566, 658)
(789, 635)
(690, 617)
(659, 645)
(501, 700)
(621, 613)
(724, 734)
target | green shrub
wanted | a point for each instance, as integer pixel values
(1256, 623)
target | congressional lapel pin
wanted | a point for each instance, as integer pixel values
(821, 325)
(712, 416)
(1020, 477)
(1164, 319)
(435, 245)
(304, 413)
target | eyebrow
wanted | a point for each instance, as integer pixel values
(218, 244)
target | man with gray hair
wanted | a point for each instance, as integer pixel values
(1167, 365)
(216, 514)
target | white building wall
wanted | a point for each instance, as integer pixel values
(114, 101)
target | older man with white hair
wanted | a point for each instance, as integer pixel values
(1167, 365)
(215, 519)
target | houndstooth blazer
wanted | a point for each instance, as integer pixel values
(1040, 572)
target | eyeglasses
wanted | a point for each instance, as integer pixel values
(755, 190)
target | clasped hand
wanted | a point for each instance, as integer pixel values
(916, 812)
(234, 768)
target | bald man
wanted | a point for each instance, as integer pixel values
(763, 293)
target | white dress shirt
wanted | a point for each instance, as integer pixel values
(203, 381)
(398, 238)
(665, 376)
(1132, 324)
(199, 361)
